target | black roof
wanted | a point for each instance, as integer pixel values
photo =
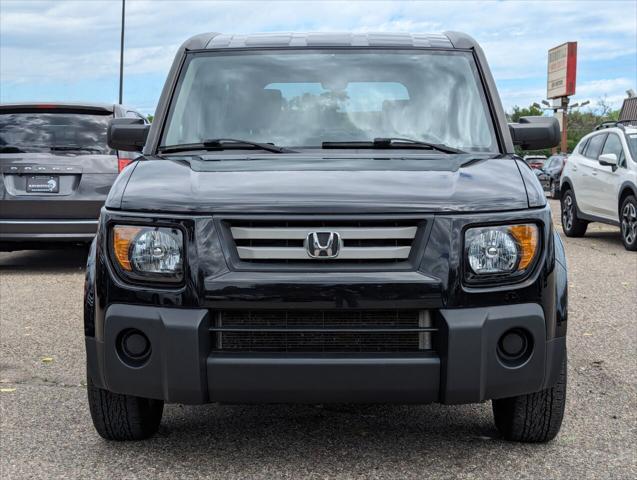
(320, 39)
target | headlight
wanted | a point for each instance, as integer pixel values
(498, 250)
(149, 253)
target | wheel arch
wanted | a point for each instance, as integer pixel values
(627, 188)
(565, 184)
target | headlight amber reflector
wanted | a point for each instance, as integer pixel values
(527, 238)
(123, 235)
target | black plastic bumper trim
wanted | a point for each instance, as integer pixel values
(323, 379)
(464, 369)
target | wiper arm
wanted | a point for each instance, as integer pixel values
(394, 142)
(222, 144)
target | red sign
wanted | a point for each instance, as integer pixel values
(562, 70)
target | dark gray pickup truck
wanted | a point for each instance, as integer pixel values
(327, 218)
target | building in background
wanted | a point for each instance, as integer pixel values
(629, 109)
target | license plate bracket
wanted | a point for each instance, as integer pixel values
(43, 184)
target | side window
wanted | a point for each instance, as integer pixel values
(614, 145)
(582, 146)
(594, 146)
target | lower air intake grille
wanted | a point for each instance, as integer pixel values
(323, 331)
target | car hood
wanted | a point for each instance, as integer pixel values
(347, 184)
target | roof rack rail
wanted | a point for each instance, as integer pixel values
(619, 123)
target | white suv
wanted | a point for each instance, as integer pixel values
(599, 182)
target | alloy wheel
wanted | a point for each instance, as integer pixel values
(629, 223)
(567, 212)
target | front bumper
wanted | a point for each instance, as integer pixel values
(464, 369)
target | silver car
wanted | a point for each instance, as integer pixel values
(57, 170)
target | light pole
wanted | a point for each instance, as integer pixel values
(563, 116)
(121, 56)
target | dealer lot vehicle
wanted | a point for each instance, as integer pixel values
(327, 218)
(57, 170)
(549, 175)
(535, 161)
(599, 182)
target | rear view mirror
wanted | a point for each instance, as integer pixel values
(128, 134)
(608, 160)
(535, 133)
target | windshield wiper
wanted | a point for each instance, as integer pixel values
(393, 142)
(64, 148)
(222, 144)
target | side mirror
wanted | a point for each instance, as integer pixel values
(608, 160)
(128, 134)
(535, 133)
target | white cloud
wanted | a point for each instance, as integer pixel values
(613, 90)
(67, 41)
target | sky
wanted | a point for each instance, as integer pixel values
(68, 50)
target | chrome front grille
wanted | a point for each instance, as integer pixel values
(343, 241)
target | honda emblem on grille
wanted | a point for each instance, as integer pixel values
(323, 244)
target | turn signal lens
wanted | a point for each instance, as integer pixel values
(123, 236)
(527, 238)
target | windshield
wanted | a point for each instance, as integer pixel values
(302, 99)
(43, 132)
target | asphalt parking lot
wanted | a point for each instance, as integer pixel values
(46, 431)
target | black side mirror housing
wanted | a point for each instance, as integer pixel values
(128, 134)
(535, 133)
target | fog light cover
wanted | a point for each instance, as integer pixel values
(501, 249)
(153, 253)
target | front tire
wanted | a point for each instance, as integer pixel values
(123, 417)
(535, 417)
(628, 221)
(571, 224)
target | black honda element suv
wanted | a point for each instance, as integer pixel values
(326, 218)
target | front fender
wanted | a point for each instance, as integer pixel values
(561, 287)
(89, 292)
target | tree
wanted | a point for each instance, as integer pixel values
(606, 112)
(531, 111)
